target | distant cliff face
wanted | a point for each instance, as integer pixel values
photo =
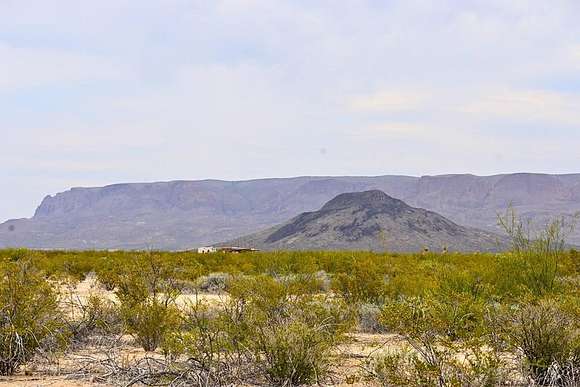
(371, 220)
(184, 214)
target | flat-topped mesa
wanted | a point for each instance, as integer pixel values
(179, 215)
(373, 199)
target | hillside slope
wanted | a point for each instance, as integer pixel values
(371, 220)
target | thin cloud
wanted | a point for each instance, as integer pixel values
(386, 101)
(251, 88)
(537, 106)
(22, 68)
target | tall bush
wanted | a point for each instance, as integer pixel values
(546, 336)
(539, 252)
(29, 314)
(147, 292)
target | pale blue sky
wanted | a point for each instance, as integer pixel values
(100, 92)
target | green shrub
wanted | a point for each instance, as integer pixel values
(93, 316)
(150, 321)
(539, 253)
(441, 328)
(147, 294)
(213, 282)
(108, 273)
(15, 255)
(304, 283)
(428, 319)
(465, 365)
(545, 335)
(281, 323)
(368, 319)
(296, 353)
(575, 258)
(290, 335)
(363, 282)
(29, 314)
(203, 336)
(295, 347)
(281, 336)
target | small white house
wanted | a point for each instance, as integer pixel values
(206, 250)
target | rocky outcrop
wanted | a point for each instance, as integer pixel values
(371, 220)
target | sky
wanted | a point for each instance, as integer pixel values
(110, 91)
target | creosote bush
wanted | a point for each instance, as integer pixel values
(546, 336)
(362, 282)
(368, 319)
(268, 329)
(447, 341)
(288, 331)
(108, 273)
(575, 259)
(147, 295)
(295, 348)
(213, 282)
(29, 315)
(150, 322)
(537, 254)
(451, 365)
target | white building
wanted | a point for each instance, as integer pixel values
(206, 250)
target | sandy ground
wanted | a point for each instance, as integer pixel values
(42, 381)
(64, 370)
(90, 286)
(348, 371)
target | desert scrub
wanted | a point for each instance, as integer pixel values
(108, 273)
(150, 322)
(213, 282)
(363, 282)
(368, 319)
(356, 276)
(539, 254)
(323, 280)
(446, 336)
(448, 365)
(545, 334)
(430, 318)
(295, 353)
(213, 340)
(29, 315)
(93, 317)
(147, 294)
(291, 336)
(575, 260)
(305, 283)
(265, 329)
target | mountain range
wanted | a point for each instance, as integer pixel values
(371, 220)
(186, 214)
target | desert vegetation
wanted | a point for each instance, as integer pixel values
(292, 318)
